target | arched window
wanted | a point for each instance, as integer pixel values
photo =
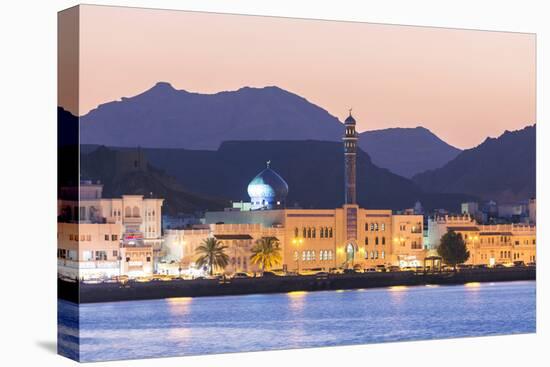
(127, 212)
(376, 226)
(383, 255)
(326, 231)
(313, 232)
(383, 240)
(372, 226)
(304, 232)
(309, 233)
(135, 212)
(330, 232)
(383, 226)
(366, 226)
(376, 240)
(296, 232)
(366, 241)
(321, 232)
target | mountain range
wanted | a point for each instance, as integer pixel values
(163, 117)
(313, 170)
(502, 169)
(406, 151)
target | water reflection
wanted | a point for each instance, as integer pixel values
(179, 306)
(190, 326)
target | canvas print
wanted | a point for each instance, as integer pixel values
(232, 183)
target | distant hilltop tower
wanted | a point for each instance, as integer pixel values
(350, 157)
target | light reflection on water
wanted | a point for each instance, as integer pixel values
(186, 326)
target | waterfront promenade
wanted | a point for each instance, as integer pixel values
(108, 292)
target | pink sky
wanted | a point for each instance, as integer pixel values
(462, 85)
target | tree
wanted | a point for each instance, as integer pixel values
(212, 254)
(266, 253)
(452, 249)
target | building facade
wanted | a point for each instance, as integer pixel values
(488, 244)
(133, 220)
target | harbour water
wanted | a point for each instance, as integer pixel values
(191, 326)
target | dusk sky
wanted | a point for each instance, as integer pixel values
(462, 85)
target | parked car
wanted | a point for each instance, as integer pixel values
(335, 271)
(93, 281)
(269, 274)
(519, 263)
(481, 266)
(240, 275)
(394, 268)
(370, 270)
(381, 268)
(532, 264)
(322, 275)
(499, 266)
(349, 271)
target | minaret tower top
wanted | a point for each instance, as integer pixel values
(350, 156)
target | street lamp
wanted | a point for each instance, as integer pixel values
(297, 241)
(474, 240)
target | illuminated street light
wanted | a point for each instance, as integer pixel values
(297, 241)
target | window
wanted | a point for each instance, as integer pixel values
(383, 255)
(376, 240)
(135, 212)
(321, 232)
(127, 212)
(366, 255)
(115, 253)
(87, 255)
(88, 237)
(376, 226)
(330, 254)
(366, 226)
(305, 232)
(106, 237)
(296, 232)
(70, 237)
(330, 232)
(313, 256)
(295, 255)
(148, 259)
(303, 256)
(313, 232)
(114, 237)
(383, 226)
(101, 255)
(372, 226)
(383, 240)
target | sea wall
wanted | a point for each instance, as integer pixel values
(108, 292)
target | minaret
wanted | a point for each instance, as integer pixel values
(350, 156)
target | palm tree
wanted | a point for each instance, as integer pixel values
(212, 253)
(266, 253)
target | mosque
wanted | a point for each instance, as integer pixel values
(344, 237)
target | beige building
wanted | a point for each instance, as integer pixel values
(137, 219)
(329, 238)
(88, 250)
(488, 244)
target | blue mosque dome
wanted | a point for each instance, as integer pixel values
(267, 190)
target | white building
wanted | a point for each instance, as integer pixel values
(137, 220)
